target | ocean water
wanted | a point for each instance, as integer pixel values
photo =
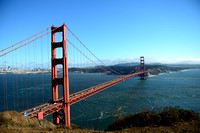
(98, 111)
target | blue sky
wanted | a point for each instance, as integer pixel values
(166, 31)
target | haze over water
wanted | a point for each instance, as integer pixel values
(131, 96)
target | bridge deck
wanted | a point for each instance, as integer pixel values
(50, 108)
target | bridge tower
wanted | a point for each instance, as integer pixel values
(64, 81)
(142, 68)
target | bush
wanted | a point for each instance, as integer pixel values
(167, 117)
(174, 114)
(145, 118)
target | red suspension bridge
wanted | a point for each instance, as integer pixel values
(70, 59)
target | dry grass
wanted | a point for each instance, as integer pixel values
(13, 122)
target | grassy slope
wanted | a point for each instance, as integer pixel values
(169, 120)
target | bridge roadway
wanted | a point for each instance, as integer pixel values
(50, 108)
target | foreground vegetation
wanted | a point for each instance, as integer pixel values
(170, 119)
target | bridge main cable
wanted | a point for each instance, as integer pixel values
(27, 42)
(24, 40)
(93, 53)
(89, 58)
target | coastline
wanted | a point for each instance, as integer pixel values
(184, 70)
(167, 71)
(152, 71)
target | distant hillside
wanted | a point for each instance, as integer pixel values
(120, 69)
(157, 69)
(130, 67)
(127, 64)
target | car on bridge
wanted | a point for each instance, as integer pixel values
(27, 114)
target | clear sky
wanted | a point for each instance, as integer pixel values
(166, 31)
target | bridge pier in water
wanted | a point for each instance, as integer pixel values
(65, 113)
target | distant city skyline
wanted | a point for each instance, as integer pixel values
(116, 31)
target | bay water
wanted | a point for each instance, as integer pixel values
(180, 88)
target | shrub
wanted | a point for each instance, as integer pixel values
(167, 117)
(145, 118)
(174, 114)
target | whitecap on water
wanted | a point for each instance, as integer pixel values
(101, 115)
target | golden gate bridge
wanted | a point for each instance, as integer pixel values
(31, 57)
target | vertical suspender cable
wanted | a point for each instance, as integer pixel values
(17, 82)
(74, 63)
(35, 67)
(22, 82)
(13, 82)
(42, 69)
(26, 78)
(30, 76)
(6, 86)
(49, 74)
(4, 89)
